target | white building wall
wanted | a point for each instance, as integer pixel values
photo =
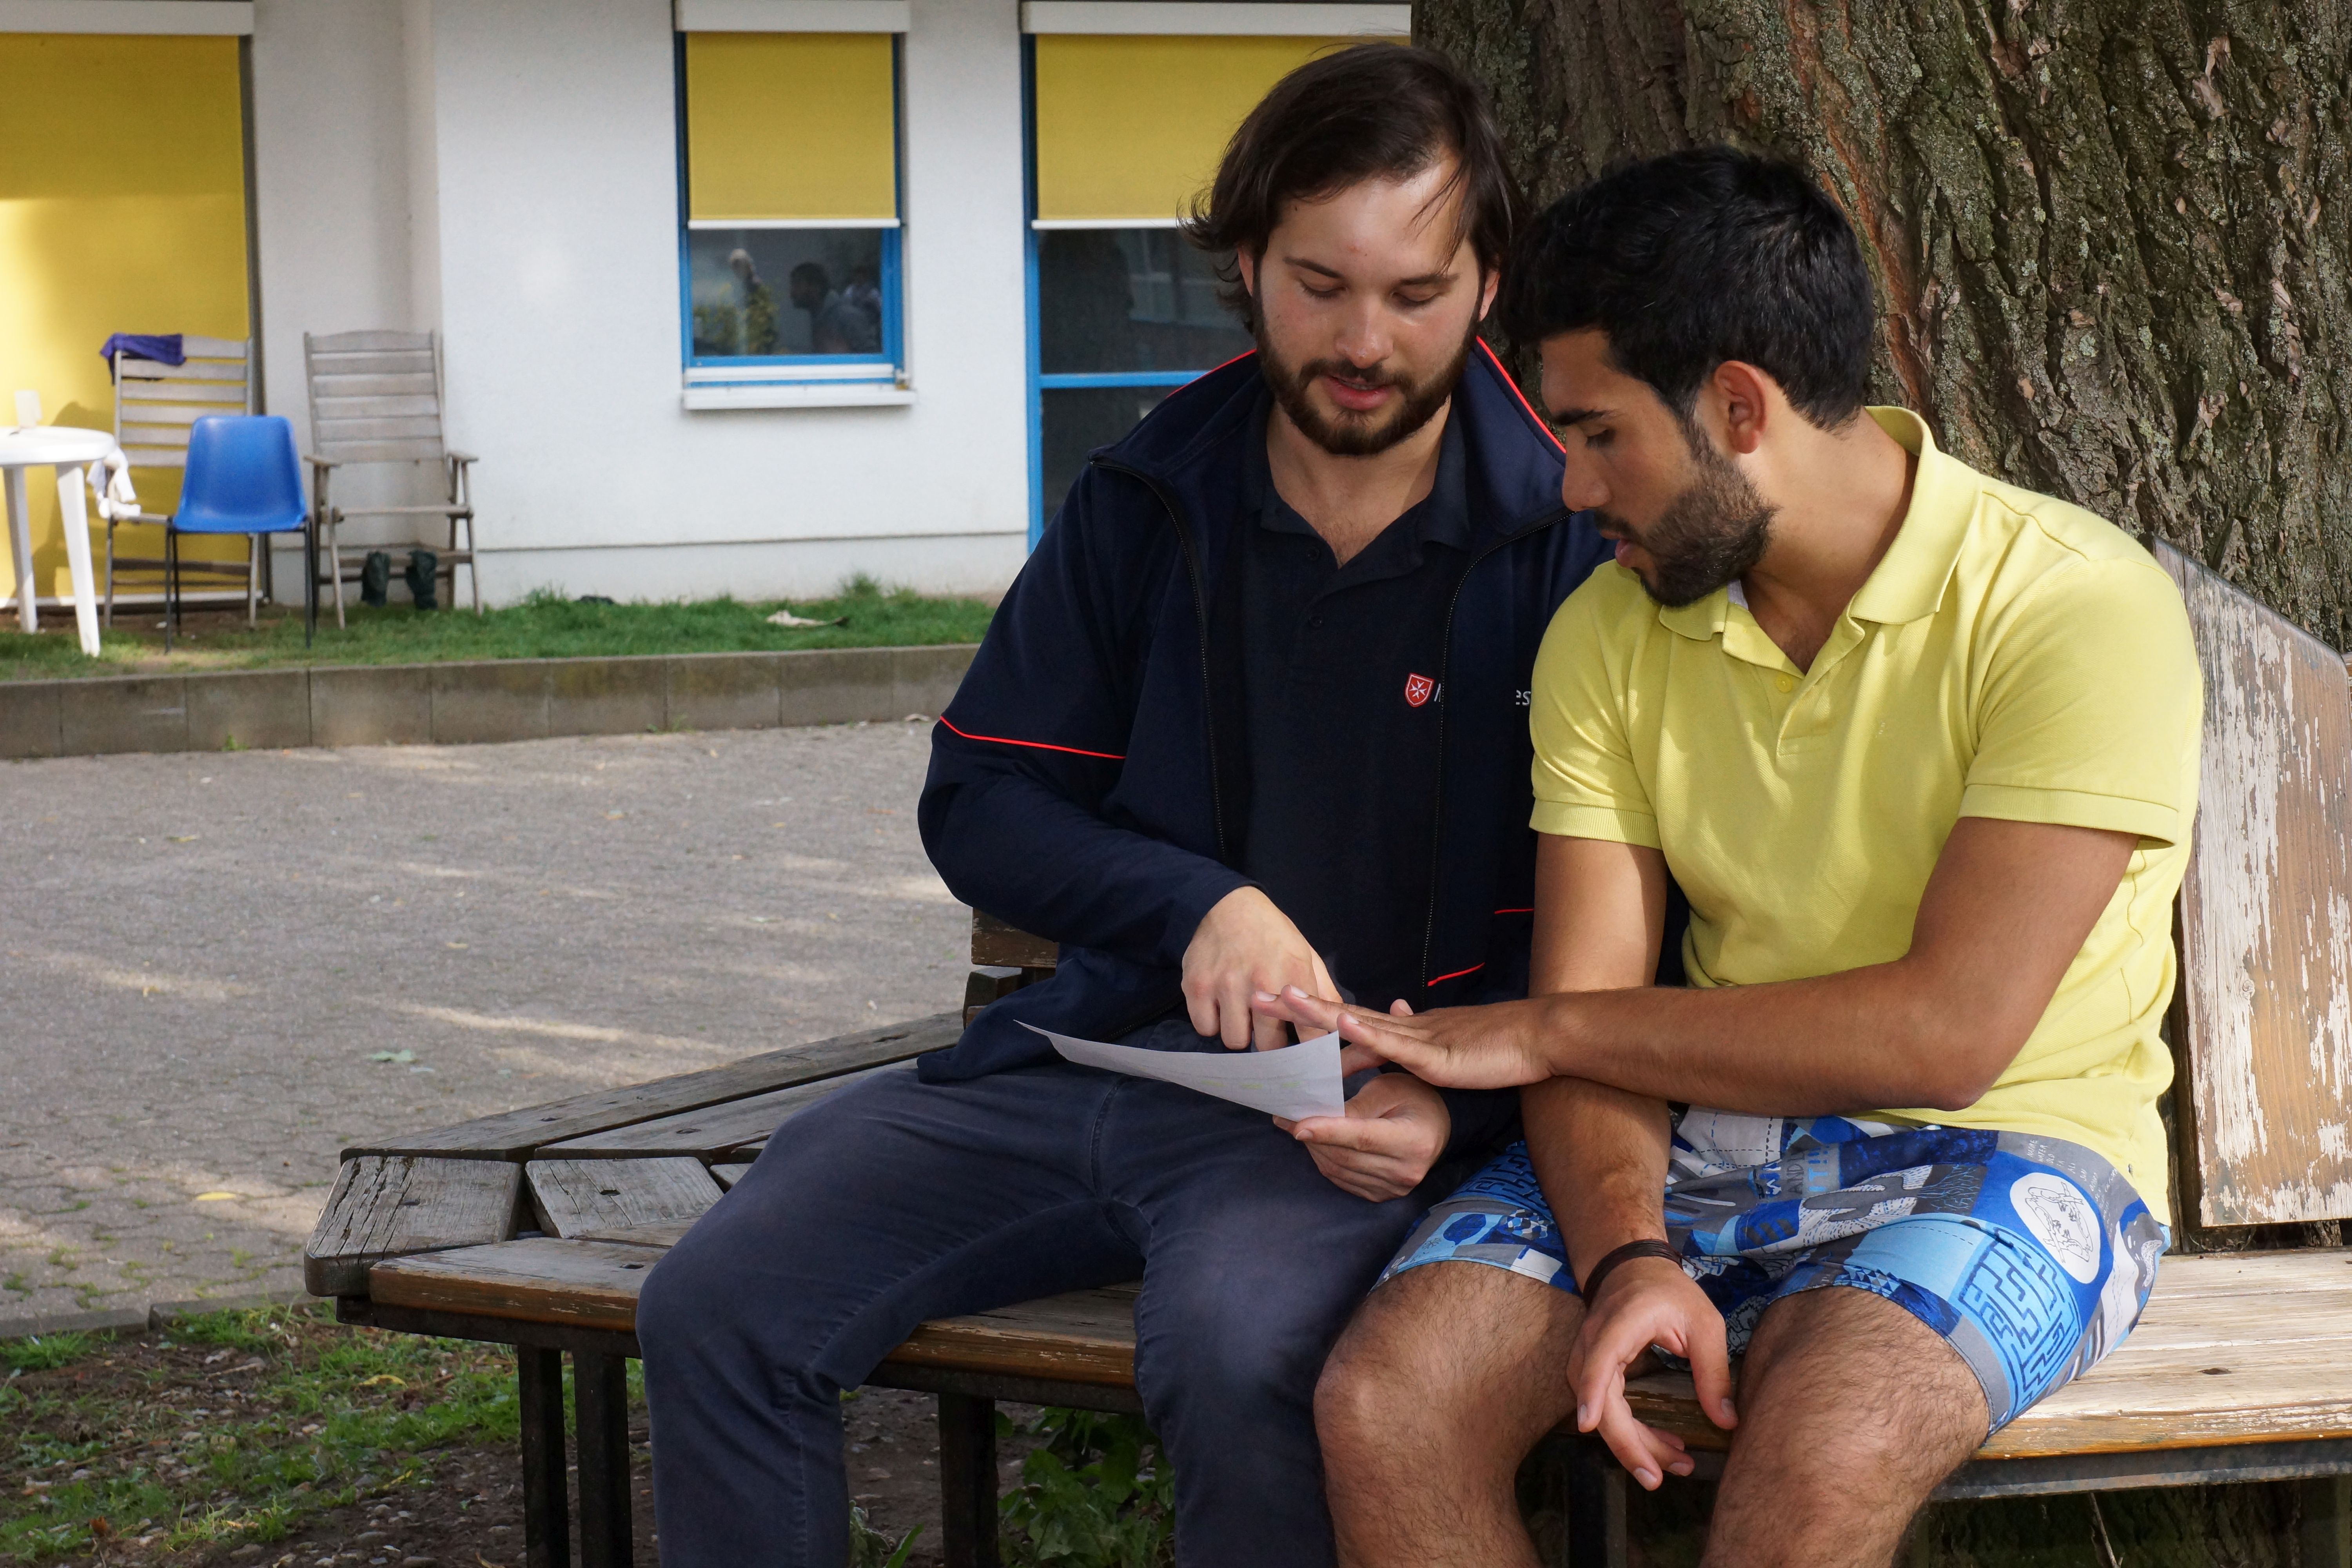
(332, 200)
(555, 142)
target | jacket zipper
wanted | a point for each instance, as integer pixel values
(1201, 619)
(1445, 667)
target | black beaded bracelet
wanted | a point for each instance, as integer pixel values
(1625, 1254)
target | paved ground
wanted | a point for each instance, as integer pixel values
(204, 959)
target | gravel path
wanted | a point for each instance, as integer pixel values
(204, 959)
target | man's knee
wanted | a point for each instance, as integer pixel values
(683, 1298)
(1382, 1378)
(1427, 1358)
(1204, 1345)
(1852, 1410)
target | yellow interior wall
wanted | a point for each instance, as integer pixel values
(122, 210)
(1130, 128)
(790, 125)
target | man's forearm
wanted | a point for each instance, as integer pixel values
(1014, 847)
(1599, 1155)
(1864, 1039)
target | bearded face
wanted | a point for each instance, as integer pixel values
(1342, 431)
(1710, 535)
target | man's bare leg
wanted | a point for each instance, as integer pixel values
(1449, 1373)
(1851, 1411)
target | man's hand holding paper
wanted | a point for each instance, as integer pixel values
(1394, 1129)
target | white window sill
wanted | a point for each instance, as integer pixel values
(801, 394)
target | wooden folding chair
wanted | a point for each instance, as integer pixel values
(375, 397)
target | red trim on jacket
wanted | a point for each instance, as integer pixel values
(1037, 745)
(1203, 377)
(1457, 975)
(1522, 396)
(1526, 911)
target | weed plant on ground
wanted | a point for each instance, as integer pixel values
(1095, 1493)
(227, 1429)
(544, 626)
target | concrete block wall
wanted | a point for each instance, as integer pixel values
(460, 704)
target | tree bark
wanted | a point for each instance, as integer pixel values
(2111, 237)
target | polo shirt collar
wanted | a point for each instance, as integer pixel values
(1908, 581)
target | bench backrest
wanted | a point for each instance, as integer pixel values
(2261, 1023)
(2262, 1026)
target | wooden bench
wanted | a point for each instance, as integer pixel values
(537, 1227)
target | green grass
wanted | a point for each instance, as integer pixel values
(319, 1416)
(43, 1352)
(545, 626)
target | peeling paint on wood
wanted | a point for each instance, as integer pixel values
(2267, 923)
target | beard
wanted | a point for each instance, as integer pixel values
(1351, 435)
(1709, 535)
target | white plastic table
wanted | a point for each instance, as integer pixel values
(63, 450)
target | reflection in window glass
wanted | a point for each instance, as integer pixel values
(1112, 300)
(762, 293)
(1076, 420)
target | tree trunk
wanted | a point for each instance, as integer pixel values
(2113, 247)
(2112, 238)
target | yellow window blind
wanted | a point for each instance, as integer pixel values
(122, 210)
(792, 127)
(1130, 128)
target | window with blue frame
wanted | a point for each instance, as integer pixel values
(790, 233)
(1124, 315)
(1123, 130)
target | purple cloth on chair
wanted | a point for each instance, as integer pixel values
(163, 348)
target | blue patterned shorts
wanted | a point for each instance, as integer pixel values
(2031, 1257)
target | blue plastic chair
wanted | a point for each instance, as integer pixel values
(243, 477)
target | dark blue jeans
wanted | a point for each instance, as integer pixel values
(896, 1201)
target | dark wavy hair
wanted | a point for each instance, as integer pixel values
(1366, 111)
(1693, 259)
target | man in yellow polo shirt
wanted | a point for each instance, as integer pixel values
(1920, 748)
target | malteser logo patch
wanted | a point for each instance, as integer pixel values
(1417, 688)
(2062, 1219)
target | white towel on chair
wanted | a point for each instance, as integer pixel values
(110, 481)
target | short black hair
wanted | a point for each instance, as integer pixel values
(1693, 259)
(1366, 111)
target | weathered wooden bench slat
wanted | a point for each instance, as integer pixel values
(582, 1283)
(2233, 1274)
(1087, 1336)
(711, 1131)
(383, 1205)
(663, 1234)
(513, 1134)
(581, 1197)
(1009, 947)
(727, 1175)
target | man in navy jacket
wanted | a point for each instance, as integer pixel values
(1254, 715)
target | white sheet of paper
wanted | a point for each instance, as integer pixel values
(1296, 1081)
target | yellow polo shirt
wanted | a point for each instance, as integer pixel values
(2012, 656)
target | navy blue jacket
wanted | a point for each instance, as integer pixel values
(1088, 780)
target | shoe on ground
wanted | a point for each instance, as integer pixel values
(375, 578)
(423, 576)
